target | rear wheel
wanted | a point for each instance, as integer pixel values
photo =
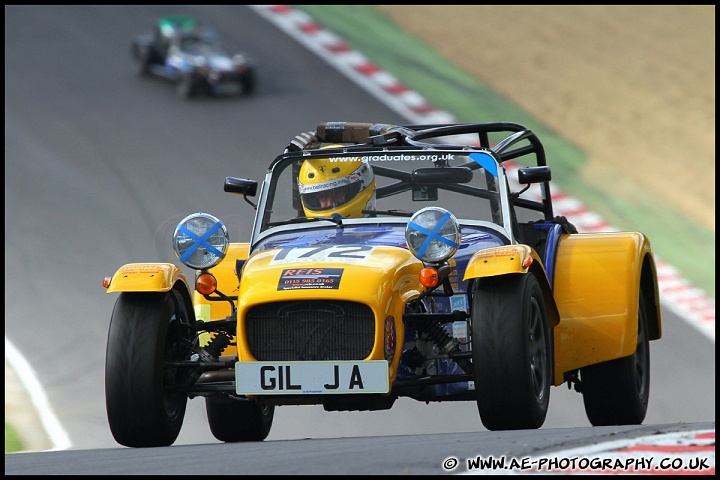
(147, 330)
(239, 420)
(187, 87)
(512, 352)
(617, 392)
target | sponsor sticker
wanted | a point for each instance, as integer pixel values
(459, 302)
(306, 278)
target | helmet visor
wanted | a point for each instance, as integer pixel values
(330, 198)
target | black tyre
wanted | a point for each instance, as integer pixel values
(146, 331)
(617, 392)
(512, 352)
(248, 82)
(142, 61)
(187, 87)
(239, 420)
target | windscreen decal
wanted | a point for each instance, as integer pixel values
(324, 253)
(485, 161)
(395, 157)
(307, 278)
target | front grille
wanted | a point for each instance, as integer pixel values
(310, 330)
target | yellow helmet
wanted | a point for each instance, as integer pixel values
(343, 187)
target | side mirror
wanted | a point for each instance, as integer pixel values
(241, 186)
(439, 176)
(534, 175)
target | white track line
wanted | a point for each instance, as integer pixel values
(26, 375)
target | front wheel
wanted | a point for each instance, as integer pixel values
(239, 420)
(247, 83)
(187, 87)
(141, 57)
(511, 352)
(147, 330)
(617, 392)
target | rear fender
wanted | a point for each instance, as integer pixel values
(597, 283)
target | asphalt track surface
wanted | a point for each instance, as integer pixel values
(101, 165)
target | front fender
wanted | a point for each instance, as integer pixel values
(147, 277)
(490, 262)
(506, 259)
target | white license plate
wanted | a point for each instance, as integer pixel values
(311, 378)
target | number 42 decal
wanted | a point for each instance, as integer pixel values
(335, 253)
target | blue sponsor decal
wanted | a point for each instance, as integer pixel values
(485, 161)
(459, 302)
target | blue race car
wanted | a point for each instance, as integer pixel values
(188, 53)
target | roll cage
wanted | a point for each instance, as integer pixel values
(482, 147)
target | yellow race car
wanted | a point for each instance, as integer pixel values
(385, 261)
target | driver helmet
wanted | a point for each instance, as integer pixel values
(336, 187)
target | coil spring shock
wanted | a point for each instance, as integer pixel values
(211, 352)
(448, 345)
